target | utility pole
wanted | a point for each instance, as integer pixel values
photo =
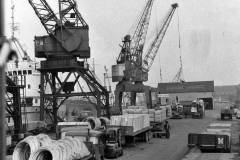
(2, 89)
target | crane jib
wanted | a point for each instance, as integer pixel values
(155, 45)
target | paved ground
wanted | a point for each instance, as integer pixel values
(170, 149)
(176, 148)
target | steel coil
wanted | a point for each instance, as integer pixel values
(29, 145)
(104, 121)
(65, 149)
(94, 122)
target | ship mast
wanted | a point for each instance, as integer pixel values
(21, 52)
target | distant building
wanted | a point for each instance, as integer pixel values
(188, 91)
(229, 93)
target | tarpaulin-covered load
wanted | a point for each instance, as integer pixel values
(137, 121)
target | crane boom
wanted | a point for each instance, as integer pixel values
(152, 51)
(133, 44)
(46, 15)
(70, 13)
(139, 36)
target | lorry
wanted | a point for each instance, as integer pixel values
(216, 137)
(104, 142)
(177, 111)
(198, 109)
(226, 112)
(186, 110)
(194, 109)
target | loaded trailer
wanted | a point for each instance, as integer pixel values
(130, 136)
(211, 156)
(107, 141)
(216, 138)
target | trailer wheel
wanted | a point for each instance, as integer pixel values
(121, 153)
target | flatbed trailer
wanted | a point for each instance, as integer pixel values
(211, 156)
(130, 135)
(216, 137)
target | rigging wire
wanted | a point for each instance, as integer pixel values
(134, 25)
(179, 46)
(160, 70)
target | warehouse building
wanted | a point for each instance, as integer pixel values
(188, 91)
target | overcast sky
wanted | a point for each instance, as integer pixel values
(210, 35)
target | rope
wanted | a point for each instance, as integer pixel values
(179, 46)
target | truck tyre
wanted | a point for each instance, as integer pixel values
(121, 153)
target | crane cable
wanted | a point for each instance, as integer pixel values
(179, 46)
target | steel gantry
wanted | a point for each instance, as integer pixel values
(65, 72)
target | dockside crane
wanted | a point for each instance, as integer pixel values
(66, 50)
(130, 56)
(131, 69)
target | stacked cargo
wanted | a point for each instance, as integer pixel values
(137, 107)
(137, 121)
(168, 110)
(154, 115)
(160, 115)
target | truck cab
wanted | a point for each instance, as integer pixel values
(197, 109)
(226, 112)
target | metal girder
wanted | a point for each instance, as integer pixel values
(139, 36)
(51, 101)
(46, 15)
(70, 13)
(81, 94)
(15, 105)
